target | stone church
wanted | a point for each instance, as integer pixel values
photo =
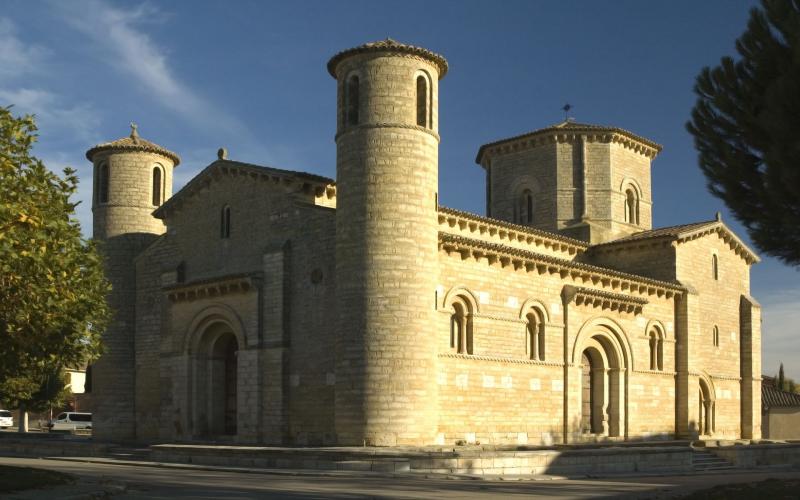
(261, 305)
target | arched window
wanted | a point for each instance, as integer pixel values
(534, 335)
(715, 334)
(523, 213)
(351, 102)
(422, 101)
(715, 267)
(631, 207)
(157, 185)
(461, 327)
(656, 350)
(225, 222)
(102, 183)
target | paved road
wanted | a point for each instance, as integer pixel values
(128, 482)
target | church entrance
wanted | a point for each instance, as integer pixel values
(214, 388)
(586, 395)
(223, 385)
(602, 375)
(706, 411)
(594, 392)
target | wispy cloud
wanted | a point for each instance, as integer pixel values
(19, 63)
(17, 59)
(52, 113)
(121, 43)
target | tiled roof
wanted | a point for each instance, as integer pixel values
(572, 126)
(516, 227)
(133, 143)
(685, 232)
(389, 45)
(772, 397)
(669, 231)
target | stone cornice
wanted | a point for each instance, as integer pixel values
(508, 231)
(288, 180)
(678, 235)
(727, 236)
(592, 297)
(517, 259)
(572, 133)
(213, 287)
(501, 359)
(361, 126)
(392, 47)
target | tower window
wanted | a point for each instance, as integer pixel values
(157, 185)
(715, 336)
(525, 208)
(102, 183)
(225, 222)
(631, 207)
(715, 267)
(656, 350)
(461, 327)
(422, 101)
(351, 103)
(534, 335)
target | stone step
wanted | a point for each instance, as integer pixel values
(704, 461)
(375, 465)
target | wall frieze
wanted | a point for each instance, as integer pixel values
(591, 297)
(406, 126)
(517, 361)
(523, 260)
(214, 287)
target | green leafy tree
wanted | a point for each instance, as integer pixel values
(52, 287)
(746, 123)
(781, 378)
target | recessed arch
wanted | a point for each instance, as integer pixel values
(213, 314)
(604, 343)
(212, 342)
(610, 330)
(523, 194)
(465, 293)
(352, 100)
(632, 183)
(534, 304)
(102, 182)
(157, 185)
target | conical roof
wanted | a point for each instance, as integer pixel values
(389, 45)
(133, 143)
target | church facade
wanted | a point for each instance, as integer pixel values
(260, 305)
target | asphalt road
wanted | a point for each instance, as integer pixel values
(127, 482)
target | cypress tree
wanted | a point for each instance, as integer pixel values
(746, 125)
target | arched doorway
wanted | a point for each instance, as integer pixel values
(601, 356)
(599, 391)
(225, 384)
(587, 399)
(215, 383)
(706, 411)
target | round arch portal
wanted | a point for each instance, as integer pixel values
(212, 344)
(603, 356)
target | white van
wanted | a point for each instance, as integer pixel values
(6, 419)
(70, 421)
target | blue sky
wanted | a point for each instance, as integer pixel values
(250, 76)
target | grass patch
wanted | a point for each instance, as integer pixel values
(25, 478)
(773, 489)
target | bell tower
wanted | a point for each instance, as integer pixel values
(387, 148)
(132, 177)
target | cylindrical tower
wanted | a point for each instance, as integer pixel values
(132, 177)
(387, 149)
